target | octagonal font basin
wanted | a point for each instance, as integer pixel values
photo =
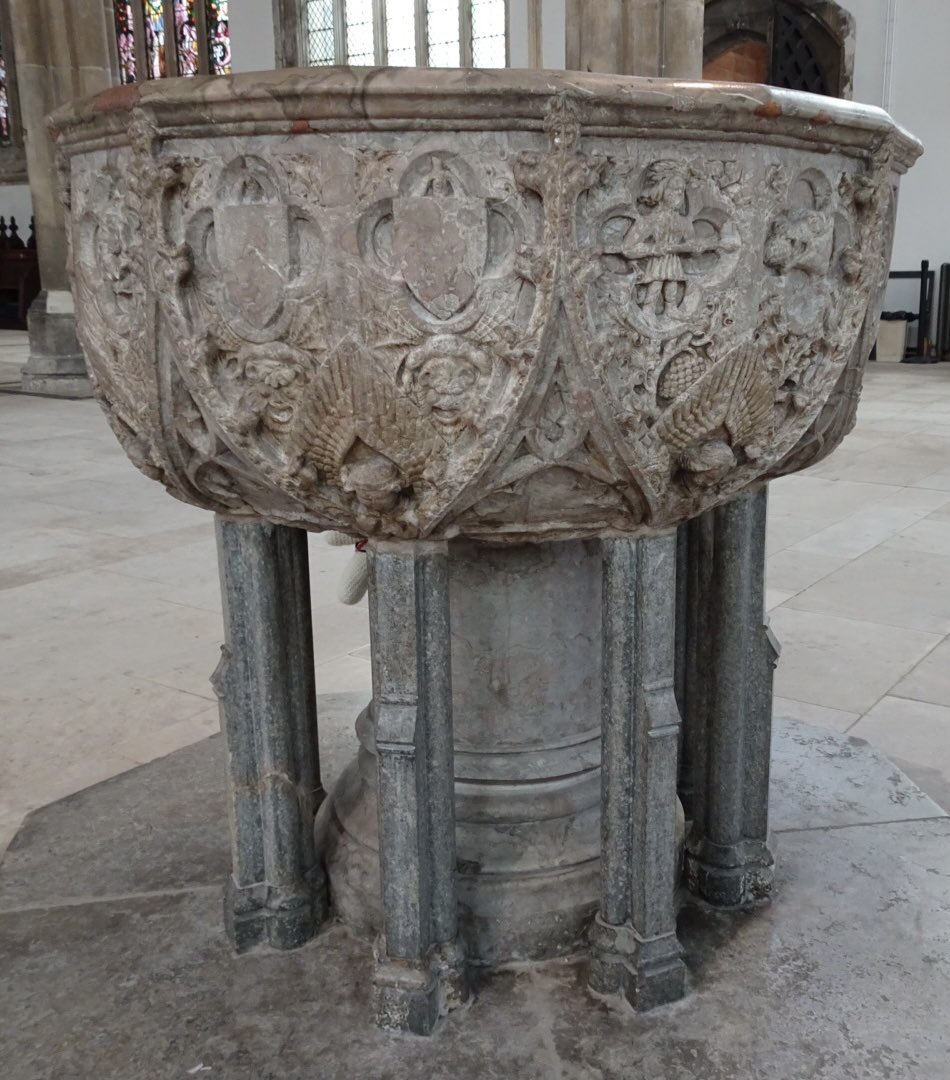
(505, 305)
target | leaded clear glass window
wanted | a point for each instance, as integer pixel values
(406, 33)
(160, 38)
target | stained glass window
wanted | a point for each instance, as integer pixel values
(4, 101)
(125, 40)
(186, 37)
(155, 38)
(219, 37)
(453, 33)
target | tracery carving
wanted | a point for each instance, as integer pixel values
(511, 334)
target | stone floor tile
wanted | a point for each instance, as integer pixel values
(906, 461)
(11, 818)
(785, 530)
(793, 569)
(821, 779)
(109, 717)
(891, 585)
(833, 981)
(916, 735)
(930, 679)
(841, 663)
(338, 629)
(148, 745)
(775, 598)
(939, 480)
(343, 674)
(150, 829)
(110, 907)
(860, 532)
(819, 715)
(932, 535)
(827, 501)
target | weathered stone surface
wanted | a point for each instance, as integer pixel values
(525, 658)
(512, 306)
(420, 969)
(277, 893)
(839, 979)
(726, 697)
(56, 364)
(634, 949)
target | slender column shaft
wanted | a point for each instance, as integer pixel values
(265, 685)
(730, 710)
(636, 37)
(683, 39)
(634, 944)
(597, 32)
(645, 38)
(420, 971)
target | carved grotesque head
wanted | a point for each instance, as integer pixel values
(445, 374)
(800, 240)
(274, 377)
(372, 478)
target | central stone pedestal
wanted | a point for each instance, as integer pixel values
(526, 673)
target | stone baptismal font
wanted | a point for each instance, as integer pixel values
(540, 338)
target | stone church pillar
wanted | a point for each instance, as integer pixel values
(636, 37)
(64, 51)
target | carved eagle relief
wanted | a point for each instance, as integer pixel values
(726, 412)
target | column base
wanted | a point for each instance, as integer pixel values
(56, 367)
(648, 972)
(735, 876)
(256, 916)
(412, 996)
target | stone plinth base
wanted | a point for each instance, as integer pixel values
(110, 908)
(56, 367)
(526, 687)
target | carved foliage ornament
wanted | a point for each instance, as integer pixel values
(510, 334)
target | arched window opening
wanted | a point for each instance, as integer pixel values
(406, 33)
(156, 39)
(796, 44)
(739, 58)
(11, 134)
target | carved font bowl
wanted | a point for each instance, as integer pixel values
(506, 305)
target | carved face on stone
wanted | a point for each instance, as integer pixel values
(446, 374)
(274, 376)
(800, 240)
(372, 478)
(665, 185)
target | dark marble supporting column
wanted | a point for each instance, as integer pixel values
(420, 967)
(277, 892)
(726, 695)
(634, 946)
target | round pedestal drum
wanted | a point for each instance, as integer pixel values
(526, 703)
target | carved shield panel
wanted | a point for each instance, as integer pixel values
(253, 245)
(440, 245)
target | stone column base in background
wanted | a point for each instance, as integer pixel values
(56, 366)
